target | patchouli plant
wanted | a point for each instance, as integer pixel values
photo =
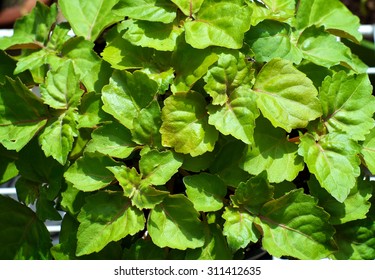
(187, 129)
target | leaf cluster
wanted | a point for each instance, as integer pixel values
(174, 129)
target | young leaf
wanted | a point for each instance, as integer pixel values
(106, 217)
(58, 135)
(89, 19)
(253, 194)
(286, 96)
(206, 191)
(272, 152)
(22, 115)
(90, 173)
(237, 116)
(141, 193)
(185, 124)
(348, 104)
(111, 139)
(356, 240)
(230, 71)
(239, 228)
(174, 223)
(323, 49)
(150, 10)
(271, 39)
(22, 234)
(158, 167)
(62, 88)
(218, 23)
(354, 207)
(127, 94)
(294, 225)
(156, 35)
(335, 17)
(333, 160)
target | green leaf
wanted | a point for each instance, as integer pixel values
(188, 7)
(332, 158)
(354, 207)
(190, 65)
(226, 163)
(89, 19)
(58, 135)
(147, 124)
(348, 104)
(215, 247)
(142, 195)
(323, 49)
(90, 173)
(157, 168)
(356, 240)
(230, 71)
(106, 217)
(144, 249)
(286, 96)
(150, 10)
(156, 35)
(206, 191)
(22, 115)
(293, 225)
(32, 61)
(8, 168)
(127, 94)
(112, 139)
(22, 234)
(271, 39)
(121, 54)
(368, 151)
(237, 116)
(61, 90)
(93, 71)
(239, 228)
(218, 23)
(253, 194)
(90, 111)
(185, 124)
(32, 30)
(278, 10)
(333, 15)
(174, 223)
(272, 152)
(46, 208)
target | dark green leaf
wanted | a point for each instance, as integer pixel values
(22, 234)
(22, 115)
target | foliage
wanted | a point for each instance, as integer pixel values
(172, 129)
